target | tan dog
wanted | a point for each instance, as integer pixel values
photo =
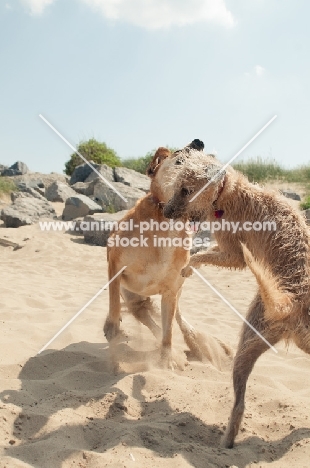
(278, 258)
(150, 269)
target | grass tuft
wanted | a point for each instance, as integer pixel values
(7, 185)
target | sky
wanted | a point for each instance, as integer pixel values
(138, 74)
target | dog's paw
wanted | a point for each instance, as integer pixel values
(111, 330)
(186, 272)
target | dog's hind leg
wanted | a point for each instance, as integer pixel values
(251, 346)
(112, 324)
(142, 308)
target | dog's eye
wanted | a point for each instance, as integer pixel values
(179, 161)
(185, 192)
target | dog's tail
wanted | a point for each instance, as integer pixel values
(204, 348)
(278, 303)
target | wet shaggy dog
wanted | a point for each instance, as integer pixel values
(279, 258)
(150, 269)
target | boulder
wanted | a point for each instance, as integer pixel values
(26, 193)
(111, 201)
(132, 178)
(79, 206)
(201, 241)
(98, 227)
(26, 209)
(18, 168)
(36, 184)
(59, 192)
(292, 195)
(85, 173)
(38, 181)
(85, 188)
(306, 213)
(2, 168)
(104, 170)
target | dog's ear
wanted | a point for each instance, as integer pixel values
(160, 155)
(197, 145)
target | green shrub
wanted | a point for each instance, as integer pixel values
(92, 150)
(7, 185)
(305, 205)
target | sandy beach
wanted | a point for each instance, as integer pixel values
(67, 407)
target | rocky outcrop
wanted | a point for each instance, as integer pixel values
(27, 208)
(84, 188)
(132, 178)
(18, 168)
(85, 173)
(2, 168)
(59, 192)
(35, 184)
(111, 201)
(98, 227)
(79, 206)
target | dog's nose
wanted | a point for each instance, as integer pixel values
(197, 145)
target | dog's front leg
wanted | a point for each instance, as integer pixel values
(168, 308)
(216, 258)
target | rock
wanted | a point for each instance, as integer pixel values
(8, 243)
(106, 171)
(25, 194)
(59, 192)
(78, 206)
(84, 173)
(18, 168)
(38, 181)
(26, 209)
(111, 201)
(201, 241)
(306, 213)
(2, 168)
(85, 188)
(98, 227)
(36, 184)
(292, 195)
(132, 178)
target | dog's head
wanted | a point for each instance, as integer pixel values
(164, 167)
(197, 187)
(160, 155)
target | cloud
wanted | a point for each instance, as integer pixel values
(157, 14)
(259, 70)
(152, 14)
(36, 7)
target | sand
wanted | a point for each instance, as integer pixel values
(67, 407)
